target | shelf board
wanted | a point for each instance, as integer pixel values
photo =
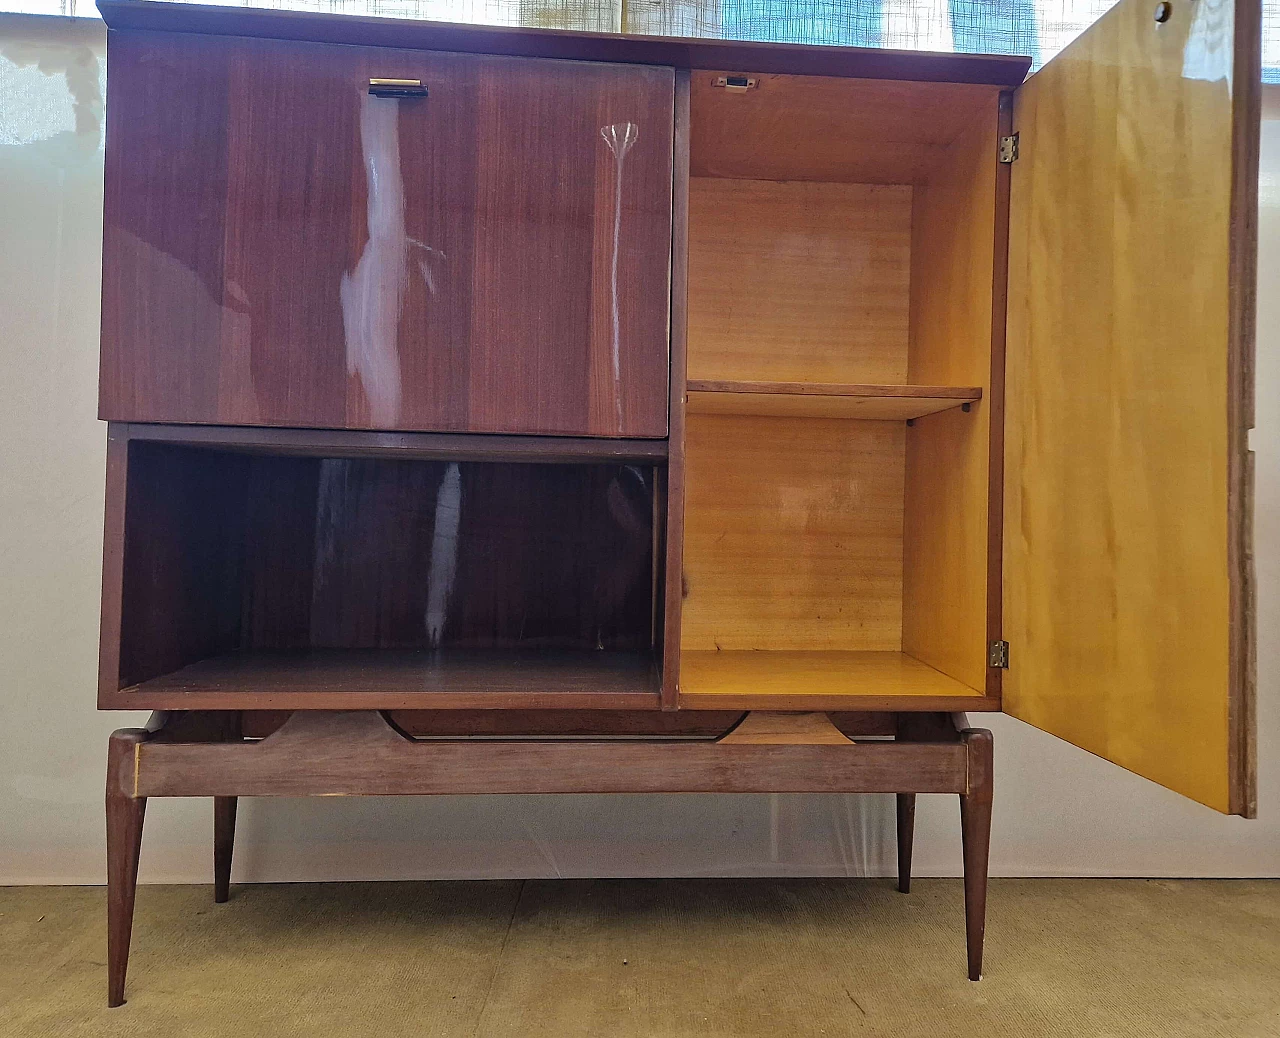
(405, 679)
(820, 680)
(364, 443)
(825, 399)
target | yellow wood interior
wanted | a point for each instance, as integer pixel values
(944, 619)
(804, 680)
(799, 281)
(1117, 589)
(813, 513)
(831, 130)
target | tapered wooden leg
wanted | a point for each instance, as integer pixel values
(125, 812)
(975, 827)
(906, 834)
(224, 837)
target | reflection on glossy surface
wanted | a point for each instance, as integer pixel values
(619, 137)
(444, 553)
(372, 295)
(282, 248)
(261, 552)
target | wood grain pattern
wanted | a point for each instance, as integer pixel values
(125, 813)
(505, 271)
(793, 534)
(225, 551)
(673, 574)
(1120, 456)
(825, 399)
(945, 570)
(868, 63)
(798, 282)
(387, 446)
(765, 727)
(850, 131)
(1242, 285)
(336, 753)
(405, 671)
(737, 677)
(577, 724)
(996, 418)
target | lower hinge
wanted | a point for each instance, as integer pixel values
(1009, 148)
(998, 655)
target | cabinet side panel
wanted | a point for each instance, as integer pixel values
(184, 533)
(944, 596)
(1120, 394)
(673, 577)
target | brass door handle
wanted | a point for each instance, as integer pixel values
(397, 88)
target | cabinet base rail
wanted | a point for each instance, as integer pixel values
(361, 753)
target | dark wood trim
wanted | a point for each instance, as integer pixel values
(338, 701)
(868, 704)
(674, 578)
(1241, 346)
(125, 813)
(975, 832)
(112, 563)
(365, 753)
(995, 401)
(359, 753)
(348, 443)
(705, 385)
(906, 829)
(783, 58)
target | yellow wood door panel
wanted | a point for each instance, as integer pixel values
(1127, 592)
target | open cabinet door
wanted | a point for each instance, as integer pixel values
(1128, 602)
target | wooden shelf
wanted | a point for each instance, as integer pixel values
(405, 679)
(820, 680)
(421, 446)
(825, 399)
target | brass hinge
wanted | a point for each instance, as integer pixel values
(1009, 148)
(998, 655)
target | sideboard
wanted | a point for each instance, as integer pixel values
(512, 410)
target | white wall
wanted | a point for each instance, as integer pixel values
(1058, 810)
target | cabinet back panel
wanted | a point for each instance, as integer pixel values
(798, 282)
(281, 248)
(827, 129)
(945, 560)
(230, 551)
(793, 533)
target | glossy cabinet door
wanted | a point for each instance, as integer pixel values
(283, 248)
(1127, 564)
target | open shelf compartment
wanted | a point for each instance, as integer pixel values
(838, 499)
(261, 579)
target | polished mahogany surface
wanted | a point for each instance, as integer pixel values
(282, 248)
(637, 48)
(231, 552)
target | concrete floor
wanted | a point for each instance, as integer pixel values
(614, 959)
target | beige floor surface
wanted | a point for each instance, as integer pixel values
(659, 959)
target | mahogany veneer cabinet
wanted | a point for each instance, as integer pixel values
(738, 414)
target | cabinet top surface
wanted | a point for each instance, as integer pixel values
(776, 58)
